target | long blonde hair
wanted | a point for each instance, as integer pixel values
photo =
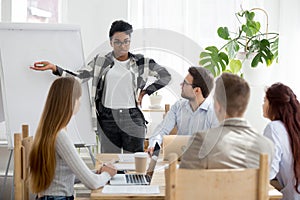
(56, 115)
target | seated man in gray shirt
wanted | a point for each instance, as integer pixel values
(193, 113)
(234, 144)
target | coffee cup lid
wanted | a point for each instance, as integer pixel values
(140, 154)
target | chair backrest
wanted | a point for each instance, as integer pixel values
(174, 130)
(174, 144)
(22, 145)
(233, 184)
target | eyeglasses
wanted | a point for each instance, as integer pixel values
(186, 83)
(119, 43)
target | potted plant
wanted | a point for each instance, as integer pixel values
(248, 42)
(155, 100)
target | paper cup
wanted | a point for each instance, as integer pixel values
(140, 159)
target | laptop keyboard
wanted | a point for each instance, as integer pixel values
(139, 179)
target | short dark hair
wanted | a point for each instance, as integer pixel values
(202, 78)
(120, 26)
(232, 93)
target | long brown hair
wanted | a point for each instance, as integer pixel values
(284, 106)
(56, 115)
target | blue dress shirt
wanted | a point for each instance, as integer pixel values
(186, 120)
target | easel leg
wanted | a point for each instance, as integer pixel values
(92, 155)
(6, 174)
(13, 188)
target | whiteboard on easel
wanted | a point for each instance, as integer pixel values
(24, 91)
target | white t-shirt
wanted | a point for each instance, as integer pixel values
(119, 91)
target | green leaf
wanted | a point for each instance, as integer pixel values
(212, 49)
(223, 60)
(274, 49)
(249, 15)
(246, 30)
(204, 54)
(257, 27)
(256, 60)
(251, 27)
(232, 48)
(253, 46)
(213, 60)
(235, 66)
(223, 33)
(264, 53)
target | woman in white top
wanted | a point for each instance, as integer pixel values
(283, 109)
(54, 161)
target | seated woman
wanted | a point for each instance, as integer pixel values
(283, 109)
(53, 159)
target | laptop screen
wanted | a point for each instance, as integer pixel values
(138, 179)
(153, 160)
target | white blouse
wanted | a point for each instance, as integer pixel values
(282, 164)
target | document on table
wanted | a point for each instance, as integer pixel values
(126, 157)
(134, 189)
(126, 166)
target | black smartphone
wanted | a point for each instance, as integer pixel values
(121, 171)
(156, 149)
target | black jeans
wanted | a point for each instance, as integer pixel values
(121, 128)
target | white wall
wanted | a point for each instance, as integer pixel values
(94, 18)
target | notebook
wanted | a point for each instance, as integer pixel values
(138, 179)
(175, 144)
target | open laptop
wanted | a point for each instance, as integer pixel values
(175, 144)
(138, 179)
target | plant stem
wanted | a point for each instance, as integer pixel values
(246, 47)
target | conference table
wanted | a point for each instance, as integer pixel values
(158, 178)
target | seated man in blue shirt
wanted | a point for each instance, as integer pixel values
(192, 114)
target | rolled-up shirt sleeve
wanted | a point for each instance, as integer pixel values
(165, 127)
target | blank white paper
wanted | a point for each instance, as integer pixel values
(134, 189)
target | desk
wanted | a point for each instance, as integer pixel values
(153, 110)
(157, 179)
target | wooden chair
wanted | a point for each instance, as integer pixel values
(22, 145)
(206, 184)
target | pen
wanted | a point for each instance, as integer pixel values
(113, 161)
